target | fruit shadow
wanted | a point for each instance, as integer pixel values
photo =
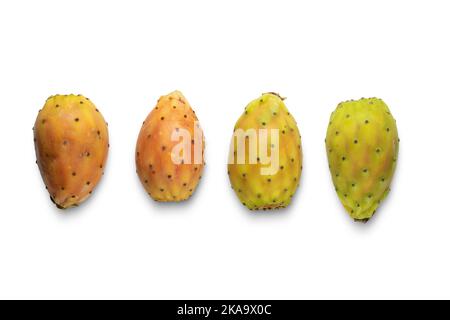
(391, 195)
(282, 213)
(360, 226)
(77, 210)
(379, 214)
(87, 206)
(175, 207)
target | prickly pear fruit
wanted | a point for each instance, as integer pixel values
(362, 147)
(71, 141)
(170, 150)
(265, 160)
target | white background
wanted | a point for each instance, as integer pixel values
(221, 54)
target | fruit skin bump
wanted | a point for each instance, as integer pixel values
(258, 190)
(163, 178)
(71, 142)
(362, 147)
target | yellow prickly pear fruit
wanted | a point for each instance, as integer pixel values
(71, 141)
(362, 147)
(265, 160)
(170, 150)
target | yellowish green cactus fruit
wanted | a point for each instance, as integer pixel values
(270, 173)
(362, 147)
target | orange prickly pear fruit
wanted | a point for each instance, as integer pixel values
(71, 142)
(170, 150)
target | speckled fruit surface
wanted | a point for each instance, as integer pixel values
(163, 179)
(256, 189)
(362, 146)
(71, 142)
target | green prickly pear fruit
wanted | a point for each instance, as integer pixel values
(265, 161)
(71, 142)
(362, 147)
(170, 150)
